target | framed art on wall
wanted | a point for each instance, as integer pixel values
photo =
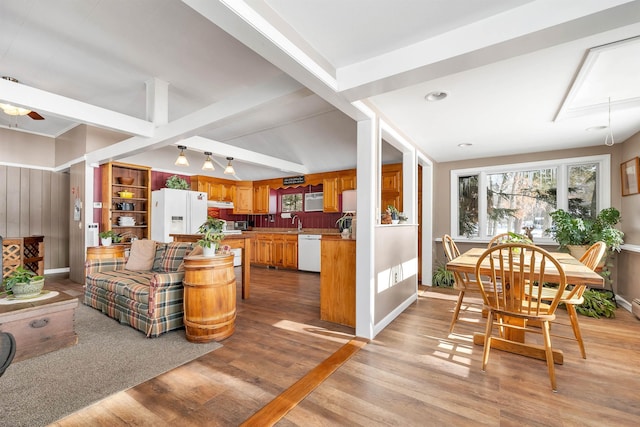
(629, 176)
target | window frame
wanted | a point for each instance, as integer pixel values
(562, 165)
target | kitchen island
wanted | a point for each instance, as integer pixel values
(235, 241)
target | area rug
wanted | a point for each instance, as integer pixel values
(108, 358)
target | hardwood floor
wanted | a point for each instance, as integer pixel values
(413, 373)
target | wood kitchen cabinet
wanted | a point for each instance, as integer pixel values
(264, 202)
(330, 195)
(243, 199)
(348, 181)
(217, 189)
(285, 249)
(338, 280)
(264, 249)
(276, 250)
(391, 192)
(113, 204)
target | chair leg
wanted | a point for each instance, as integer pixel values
(549, 353)
(573, 316)
(487, 340)
(456, 311)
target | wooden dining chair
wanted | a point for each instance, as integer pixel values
(572, 296)
(464, 282)
(499, 239)
(517, 305)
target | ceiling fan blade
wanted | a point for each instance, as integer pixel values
(35, 116)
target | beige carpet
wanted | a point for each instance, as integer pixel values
(109, 357)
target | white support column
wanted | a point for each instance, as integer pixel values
(367, 200)
(157, 101)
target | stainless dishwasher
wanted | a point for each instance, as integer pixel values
(309, 252)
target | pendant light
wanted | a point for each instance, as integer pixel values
(208, 164)
(229, 169)
(608, 140)
(182, 159)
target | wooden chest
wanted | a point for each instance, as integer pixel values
(40, 327)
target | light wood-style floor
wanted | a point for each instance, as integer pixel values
(412, 374)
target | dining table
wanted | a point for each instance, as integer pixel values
(576, 273)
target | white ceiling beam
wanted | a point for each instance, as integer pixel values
(275, 90)
(238, 19)
(533, 26)
(226, 150)
(157, 101)
(71, 109)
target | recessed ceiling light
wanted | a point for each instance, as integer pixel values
(465, 144)
(592, 128)
(436, 95)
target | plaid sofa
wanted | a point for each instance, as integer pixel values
(150, 301)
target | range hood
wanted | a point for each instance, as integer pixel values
(219, 204)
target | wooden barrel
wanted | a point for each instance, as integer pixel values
(103, 252)
(209, 298)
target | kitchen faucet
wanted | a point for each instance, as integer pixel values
(299, 222)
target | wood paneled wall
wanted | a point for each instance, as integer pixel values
(36, 202)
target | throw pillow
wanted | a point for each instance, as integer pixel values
(174, 253)
(157, 262)
(141, 255)
(196, 251)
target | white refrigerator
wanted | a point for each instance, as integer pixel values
(176, 212)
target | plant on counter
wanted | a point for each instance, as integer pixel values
(177, 183)
(344, 222)
(212, 233)
(23, 278)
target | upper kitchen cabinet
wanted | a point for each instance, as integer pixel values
(264, 199)
(217, 189)
(126, 199)
(348, 180)
(330, 195)
(243, 198)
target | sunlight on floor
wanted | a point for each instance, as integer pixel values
(335, 336)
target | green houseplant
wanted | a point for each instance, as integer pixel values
(442, 277)
(212, 234)
(109, 236)
(576, 234)
(176, 182)
(571, 230)
(23, 283)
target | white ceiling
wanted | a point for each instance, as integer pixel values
(277, 77)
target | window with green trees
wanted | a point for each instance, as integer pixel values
(504, 198)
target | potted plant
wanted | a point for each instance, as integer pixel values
(442, 277)
(570, 230)
(576, 234)
(391, 210)
(109, 236)
(176, 182)
(23, 283)
(212, 234)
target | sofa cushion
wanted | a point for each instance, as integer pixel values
(174, 253)
(157, 261)
(141, 255)
(133, 285)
